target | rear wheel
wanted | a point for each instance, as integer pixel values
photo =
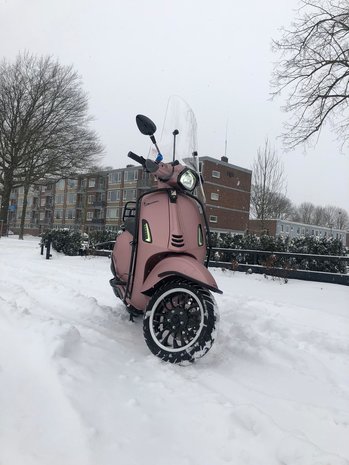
(180, 322)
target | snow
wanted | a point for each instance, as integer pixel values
(78, 385)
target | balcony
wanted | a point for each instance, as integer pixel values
(91, 221)
(95, 221)
(46, 221)
(99, 203)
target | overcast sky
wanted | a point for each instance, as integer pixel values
(132, 55)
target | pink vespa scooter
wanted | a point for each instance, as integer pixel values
(159, 261)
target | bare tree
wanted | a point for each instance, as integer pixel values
(280, 206)
(319, 216)
(304, 213)
(329, 216)
(315, 70)
(268, 184)
(342, 219)
(336, 217)
(44, 125)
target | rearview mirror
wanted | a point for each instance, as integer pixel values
(145, 125)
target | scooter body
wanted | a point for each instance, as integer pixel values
(165, 245)
(165, 238)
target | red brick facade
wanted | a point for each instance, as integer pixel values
(227, 189)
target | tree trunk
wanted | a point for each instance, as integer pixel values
(24, 210)
(5, 201)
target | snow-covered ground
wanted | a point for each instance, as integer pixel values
(78, 385)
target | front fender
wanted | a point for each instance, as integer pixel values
(183, 266)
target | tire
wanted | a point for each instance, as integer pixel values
(180, 322)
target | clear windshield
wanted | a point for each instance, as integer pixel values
(179, 117)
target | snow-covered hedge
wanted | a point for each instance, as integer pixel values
(72, 242)
(64, 240)
(303, 245)
(97, 237)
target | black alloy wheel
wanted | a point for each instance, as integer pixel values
(180, 322)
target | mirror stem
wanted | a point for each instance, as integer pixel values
(175, 133)
(152, 138)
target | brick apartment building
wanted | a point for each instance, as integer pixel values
(95, 201)
(227, 189)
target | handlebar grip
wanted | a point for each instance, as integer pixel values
(136, 158)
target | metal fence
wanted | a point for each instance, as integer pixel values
(323, 268)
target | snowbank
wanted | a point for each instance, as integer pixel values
(78, 385)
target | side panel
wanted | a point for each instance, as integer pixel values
(122, 255)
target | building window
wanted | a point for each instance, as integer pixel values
(131, 176)
(60, 184)
(216, 174)
(58, 214)
(114, 178)
(129, 194)
(213, 219)
(59, 199)
(89, 216)
(114, 195)
(214, 196)
(90, 199)
(113, 213)
(71, 199)
(92, 182)
(72, 183)
(70, 214)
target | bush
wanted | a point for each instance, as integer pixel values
(64, 240)
(304, 245)
(96, 237)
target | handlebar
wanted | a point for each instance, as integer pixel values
(149, 165)
(137, 158)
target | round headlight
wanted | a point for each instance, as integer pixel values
(188, 180)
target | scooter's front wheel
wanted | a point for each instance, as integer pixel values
(180, 322)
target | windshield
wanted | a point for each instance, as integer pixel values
(179, 117)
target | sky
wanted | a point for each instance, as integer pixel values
(133, 55)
